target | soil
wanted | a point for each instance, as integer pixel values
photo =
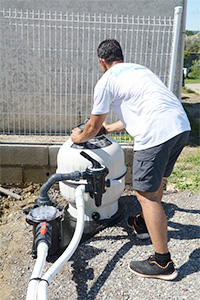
(106, 255)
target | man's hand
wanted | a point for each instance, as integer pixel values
(91, 128)
(75, 135)
(114, 127)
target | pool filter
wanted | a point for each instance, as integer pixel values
(98, 165)
(91, 179)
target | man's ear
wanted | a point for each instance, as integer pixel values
(102, 61)
(103, 65)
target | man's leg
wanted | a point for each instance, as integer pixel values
(137, 224)
(159, 265)
(155, 218)
(159, 193)
(149, 166)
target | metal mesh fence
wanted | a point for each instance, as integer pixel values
(49, 65)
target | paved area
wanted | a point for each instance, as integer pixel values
(194, 87)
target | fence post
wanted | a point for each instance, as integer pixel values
(176, 31)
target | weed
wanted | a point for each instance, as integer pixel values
(186, 173)
(188, 91)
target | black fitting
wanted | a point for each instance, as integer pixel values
(96, 216)
(43, 234)
(108, 184)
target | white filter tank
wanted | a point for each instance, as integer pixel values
(107, 152)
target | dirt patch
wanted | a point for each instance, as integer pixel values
(16, 234)
(190, 98)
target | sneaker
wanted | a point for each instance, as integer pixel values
(150, 268)
(137, 224)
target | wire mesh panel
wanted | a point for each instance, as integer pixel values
(49, 65)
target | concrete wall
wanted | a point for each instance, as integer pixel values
(35, 163)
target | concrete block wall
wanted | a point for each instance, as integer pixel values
(35, 163)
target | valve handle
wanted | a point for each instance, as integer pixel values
(95, 163)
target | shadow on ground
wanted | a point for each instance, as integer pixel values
(82, 273)
(193, 113)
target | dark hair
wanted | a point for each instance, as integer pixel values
(110, 50)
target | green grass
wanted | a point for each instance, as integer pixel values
(192, 80)
(186, 173)
(122, 138)
(187, 91)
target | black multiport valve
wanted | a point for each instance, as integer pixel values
(95, 176)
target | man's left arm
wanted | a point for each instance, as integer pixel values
(91, 129)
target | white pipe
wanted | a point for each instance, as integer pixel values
(80, 205)
(177, 22)
(42, 251)
(115, 182)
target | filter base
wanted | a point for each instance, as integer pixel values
(90, 227)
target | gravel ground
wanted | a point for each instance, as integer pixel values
(99, 268)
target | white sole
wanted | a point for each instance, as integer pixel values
(163, 277)
(142, 236)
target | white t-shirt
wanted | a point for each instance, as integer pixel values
(148, 110)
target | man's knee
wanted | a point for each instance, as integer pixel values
(144, 197)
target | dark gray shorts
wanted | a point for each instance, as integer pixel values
(152, 164)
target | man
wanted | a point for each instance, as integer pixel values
(150, 113)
